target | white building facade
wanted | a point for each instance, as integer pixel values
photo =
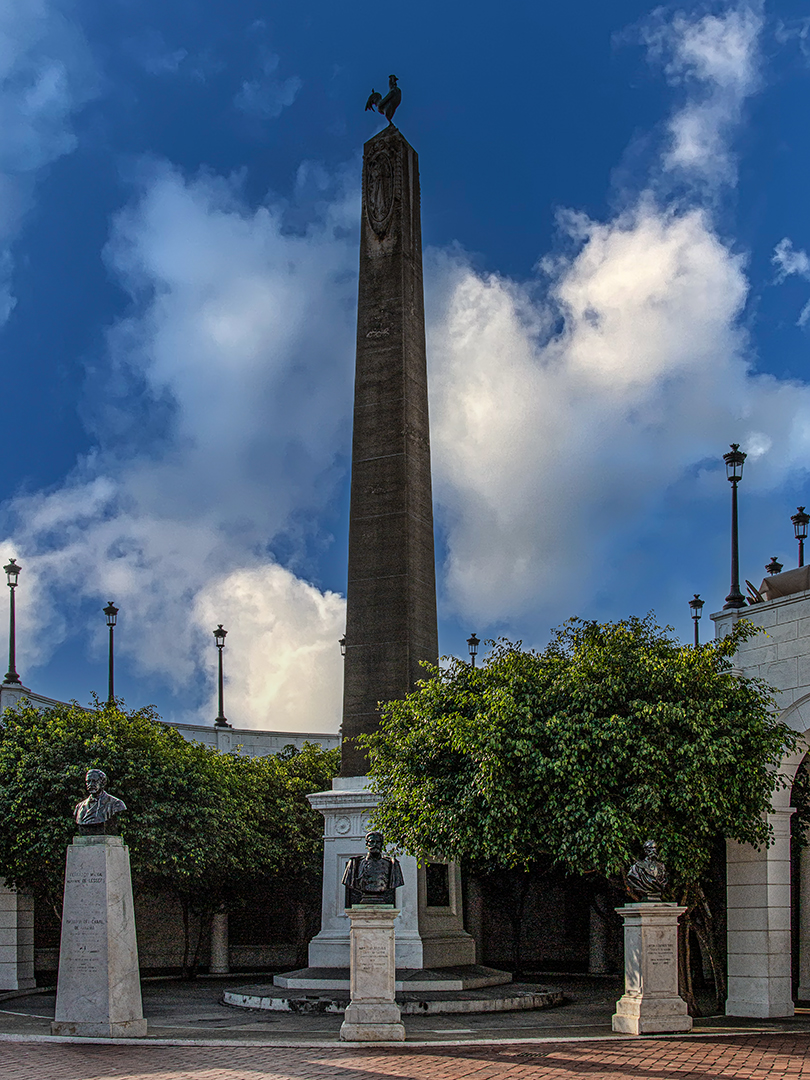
(758, 883)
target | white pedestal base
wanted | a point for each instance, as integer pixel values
(651, 1002)
(372, 1014)
(99, 990)
(428, 936)
(16, 939)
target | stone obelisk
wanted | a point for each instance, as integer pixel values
(391, 595)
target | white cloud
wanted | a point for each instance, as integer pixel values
(788, 260)
(268, 96)
(240, 343)
(716, 59)
(564, 406)
(45, 76)
(546, 439)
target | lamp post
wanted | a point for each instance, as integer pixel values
(734, 469)
(696, 604)
(472, 645)
(220, 635)
(774, 566)
(111, 614)
(800, 521)
(12, 572)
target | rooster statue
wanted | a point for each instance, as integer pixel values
(386, 105)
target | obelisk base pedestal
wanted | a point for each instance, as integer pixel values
(98, 991)
(651, 1003)
(372, 1014)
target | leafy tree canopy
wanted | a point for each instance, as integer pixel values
(202, 825)
(613, 733)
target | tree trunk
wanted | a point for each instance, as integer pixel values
(704, 929)
(685, 988)
(186, 936)
(206, 921)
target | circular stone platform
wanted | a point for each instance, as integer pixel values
(484, 999)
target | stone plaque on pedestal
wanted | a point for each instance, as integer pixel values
(372, 1015)
(651, 1002)
(99, 990)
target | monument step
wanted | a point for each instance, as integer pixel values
(412, 980)
(485, 999)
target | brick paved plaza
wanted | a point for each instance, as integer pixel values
(748, 1056)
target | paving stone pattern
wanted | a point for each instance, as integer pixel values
(749, 1057)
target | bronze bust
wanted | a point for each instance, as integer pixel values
(95, 814)
(372, 878)
(648, 877)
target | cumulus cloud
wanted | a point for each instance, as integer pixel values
(715, 59)
(788, 261)
(239, 349)
(578, 396)
(540, 432)
(267, 96)
(45, 76)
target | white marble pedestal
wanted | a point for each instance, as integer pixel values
(651, 1002)
(372, 1014)
(428, 936)
(99, 990)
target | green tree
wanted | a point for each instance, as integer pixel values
(613, 733)
(202, 826)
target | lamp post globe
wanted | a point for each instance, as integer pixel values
(111, 615)
(12, 572)
(696, 604)
(800, 522)
(219, 637)
(734, 459)
(472, 645)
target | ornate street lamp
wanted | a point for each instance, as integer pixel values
(774, 566)
(734, 469)
(111, 614)
(472, 645)
(220, 635)
(696, 604)
(12, 572)
(800, 521)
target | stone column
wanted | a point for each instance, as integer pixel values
(758, 906)
(99, 991)
(372, 1015)
(651, 1002)
(16, 939)
(803, 992)
(219, 944)
(391, 621)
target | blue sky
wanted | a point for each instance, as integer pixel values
(617, 285)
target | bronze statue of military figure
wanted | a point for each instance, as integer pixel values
(96, 813)
(372, 878)
(648, 877)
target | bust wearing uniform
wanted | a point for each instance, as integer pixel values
(372, 878)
